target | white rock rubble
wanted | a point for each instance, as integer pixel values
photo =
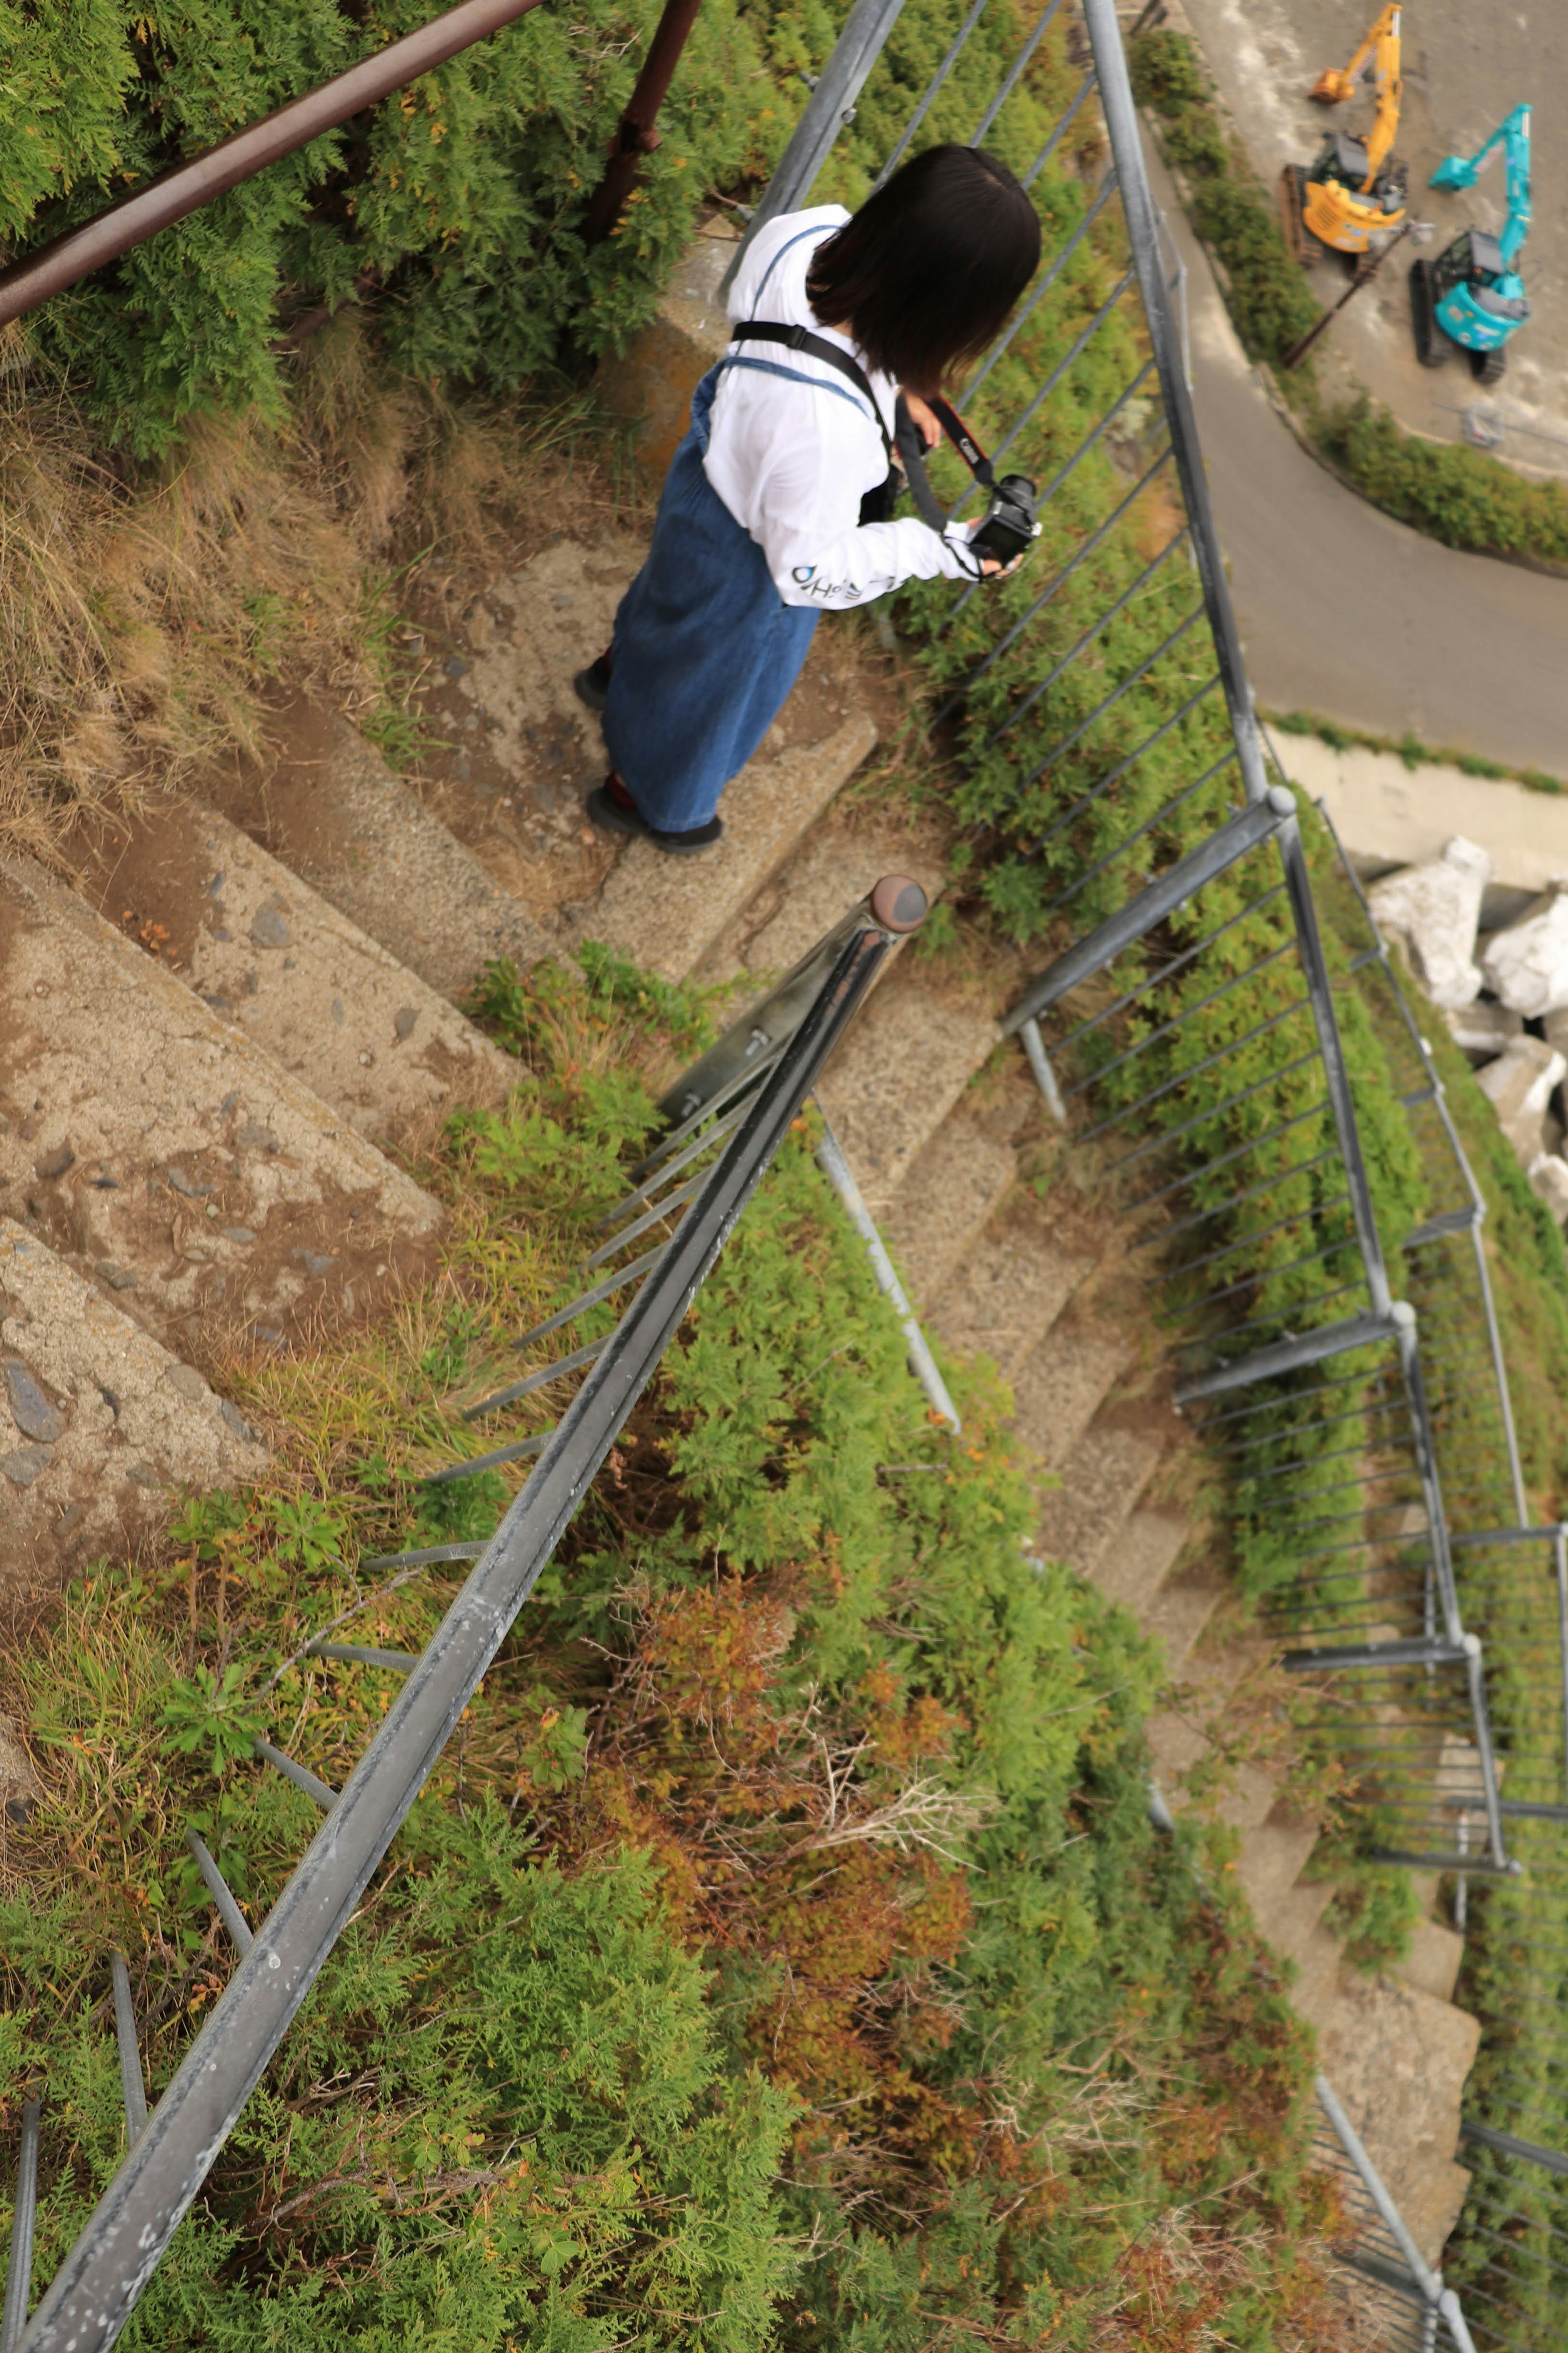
(1435, 910)
(1527, 965)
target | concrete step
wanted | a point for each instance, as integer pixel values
(1175, 1746)
(898, 1074)
(665, 914)
(1008, 1289)
(1177, 1616)
(97, 1422)
(1061, 1385)
(143, 1137)
(1271, 1861)
(1318, 1963)
(267, 953)
(1297, 1915)
(1432, 1963)
(1084, 1518)
(1132, 1567)
(357, 834)
(954, 1186)
(1398, 2059)
(838, 863)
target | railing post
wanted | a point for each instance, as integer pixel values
(634, 134)
(830, 106)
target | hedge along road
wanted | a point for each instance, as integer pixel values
(1345, 612)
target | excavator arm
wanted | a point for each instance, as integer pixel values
(1381, 49)
(1514, 135)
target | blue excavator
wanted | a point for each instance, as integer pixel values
(1472, 296)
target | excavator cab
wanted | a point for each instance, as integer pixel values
(1469, 296)
(1351, 199)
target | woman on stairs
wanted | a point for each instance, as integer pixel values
(777, 505)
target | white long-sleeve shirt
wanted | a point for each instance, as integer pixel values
(791, 460)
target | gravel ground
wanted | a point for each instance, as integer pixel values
(1465, 67)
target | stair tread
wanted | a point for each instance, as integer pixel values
(665, 913)
(1061, 1386)
(1271, 1860)
(360, 838)
(133, 1420)
(1432, 1963)
(836, 865)
(898, 1074)
(306, 1216)
(1100, 1491)
(1398, 2058)
(1176, 1616)
(1007, 1291)
(955, 1182)
(267, 953)
(1132, 1567)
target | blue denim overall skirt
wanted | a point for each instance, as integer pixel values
(706, 648)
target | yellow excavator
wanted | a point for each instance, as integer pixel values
(1353, 198)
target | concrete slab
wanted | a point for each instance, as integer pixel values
(130, 1422)
(1177, 1618)
(147, 1140)
(1398, 2059)
(1132, 1567)
(1007, 1291)
(1061, 1385)
(954, 1184)
(1381, 809)
(650, 389)
(270, 956)
(358, 835)
(1434, 1961)
(1269, 1864)
(837, 864)
(666, 912)
(1099, 1491)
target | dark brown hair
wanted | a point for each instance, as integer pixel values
(929, 266)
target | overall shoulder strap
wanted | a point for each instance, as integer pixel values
(817, 347)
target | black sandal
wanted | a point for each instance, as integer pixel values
(612, 815)
(593, 685)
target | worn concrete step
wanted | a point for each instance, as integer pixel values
(1134, 1566)
(665, 913)
(954, 1186)
(1061, 1385)
(1177, 1616)
(1434, 1960)
(1084, 1518)
(1297, 1914)
(898, 1074)
(836, 865)
(1318, 1962)
(142, 1137)
(1008, 1289)
(1270, 1862)
(357, 834)
(97, 1422)
(266, 952)
(1398, 2059)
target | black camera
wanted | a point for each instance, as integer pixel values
(1008, 528)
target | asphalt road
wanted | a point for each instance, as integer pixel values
(1346, 613)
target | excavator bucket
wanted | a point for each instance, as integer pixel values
(1454, 172)
(1332, 87)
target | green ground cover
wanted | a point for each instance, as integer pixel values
(780, 1951)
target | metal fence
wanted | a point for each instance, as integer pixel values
(1217, 1024)
(722, 1127)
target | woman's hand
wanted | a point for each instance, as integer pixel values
(924, 415)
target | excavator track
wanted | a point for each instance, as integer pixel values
(1304, 247)
(1431, 343)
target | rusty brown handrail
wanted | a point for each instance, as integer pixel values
(31, 279)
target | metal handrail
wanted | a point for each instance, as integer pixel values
(34, 277)
(111, 2261)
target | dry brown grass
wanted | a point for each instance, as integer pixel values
(146, 616)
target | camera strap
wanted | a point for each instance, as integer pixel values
(907, 438)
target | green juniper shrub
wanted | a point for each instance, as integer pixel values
(780, 1950)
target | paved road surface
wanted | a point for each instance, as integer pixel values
(1346, 613)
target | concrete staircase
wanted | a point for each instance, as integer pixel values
(215, 1044)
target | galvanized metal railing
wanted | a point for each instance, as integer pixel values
(1211, 996)
(723, 1130)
